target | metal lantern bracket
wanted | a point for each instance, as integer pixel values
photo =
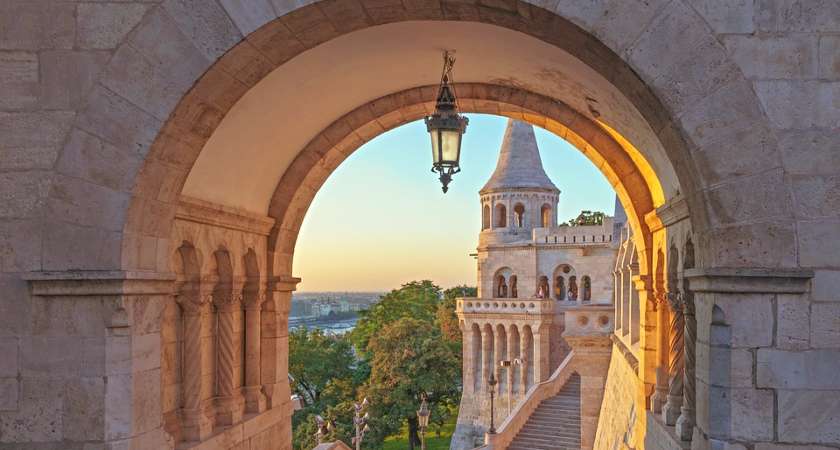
(446, 126)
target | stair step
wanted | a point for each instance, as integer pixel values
(555, 424)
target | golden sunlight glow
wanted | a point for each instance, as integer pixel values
(646, 170)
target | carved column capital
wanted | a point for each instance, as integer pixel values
(252, 300)
(224, 299)
(674, 302)
(192, 302)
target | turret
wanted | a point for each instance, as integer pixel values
(519, 196)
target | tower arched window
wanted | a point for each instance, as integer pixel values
(485, 217)
(503, 289)
(560, 288)
(587, 288)
(544, 289)
(573, 288)
(501, 216)
(545, 216)
(514, 289)
(519, 215)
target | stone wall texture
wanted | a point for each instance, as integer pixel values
(106, 106)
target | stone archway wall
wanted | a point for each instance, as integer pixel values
(93, 93)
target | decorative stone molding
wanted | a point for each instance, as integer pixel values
(740, 279)
(672, 212)
(506, 306)
(97, 283)
(203, 212)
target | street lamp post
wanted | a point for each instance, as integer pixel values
(360, 421)
(492, 383)
(423, 419)
(510, 365)
(325, 427)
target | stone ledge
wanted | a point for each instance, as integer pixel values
(753, 280)
(93, 283)
(666, 215)
(208, 213)
(628, 354)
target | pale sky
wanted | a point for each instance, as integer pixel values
(381, 219)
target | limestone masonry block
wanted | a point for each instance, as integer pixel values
(9, 357)
(36, 25)
(24, 193)
(721, 113)
(799, 103)
(206, 24)
(767, 199)
(87, 204)
(792, 321)
(114, 119)
(8, 394)
(824, 286)
(814, 249)
(668, 38)
(105, 25)
(809, 416)
(83, 408)
(797, 369)
(20, 246)
(815, 196)
(748, 244)
(16, 67)
(726, 159)
(68, 76)
(747, 314)
(39, 414)
(752, 414)
(792, 56)
(701, 71)
(61, 253)
(800, 15)
(735, 16)
(248, 15)
(825, 325)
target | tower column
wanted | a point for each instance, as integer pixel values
(255, 400)
(671, 410)
(228, 411)
(487, 354)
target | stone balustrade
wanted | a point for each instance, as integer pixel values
(538, 392)
(505, 305)
(590, 318)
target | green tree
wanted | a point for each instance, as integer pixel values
(446, 319)
(586, 218)
(321, 365)
(417, 300)
(409, 358)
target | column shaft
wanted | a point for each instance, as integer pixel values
(686, 421)
(196, 426)
(671, 410)
(255, 400)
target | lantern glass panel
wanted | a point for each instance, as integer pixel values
(451, 144)
(435, 146)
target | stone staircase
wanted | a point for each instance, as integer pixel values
(555, 424)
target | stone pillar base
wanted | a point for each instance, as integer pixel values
(658, 399)
(685, 425)
(197, 426)
(671, 411)
(255, 401)
(228, 411)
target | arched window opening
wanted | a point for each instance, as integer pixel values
(485, 217)
(573, 288)
(544, 288)
(501, 216)
(519, 215)
(514, 290)
(560, 288)
(502, 291)
(587, 288)
(545, 216)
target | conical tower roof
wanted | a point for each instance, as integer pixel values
(519, 163)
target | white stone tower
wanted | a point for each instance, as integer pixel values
(529, 272)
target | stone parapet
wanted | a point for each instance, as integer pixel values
(507, 306)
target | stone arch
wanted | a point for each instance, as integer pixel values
(485, 217)
(500, 215)
(501, 285)
(546, 219)
(514, 286)
(520, 218)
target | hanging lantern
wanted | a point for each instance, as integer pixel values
(446, 127)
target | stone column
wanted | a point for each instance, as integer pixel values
(542, 350)
(660, 391)
(671, 410)
(526, 357)
(512, 353)
(686, 421)
(196, 426)
(592, 354)
(468, 363)
(499, 350)
(487, 356)
(228, 412)
(255, 401)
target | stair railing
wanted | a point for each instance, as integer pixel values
(520, 415)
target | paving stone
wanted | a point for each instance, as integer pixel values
(105, 25)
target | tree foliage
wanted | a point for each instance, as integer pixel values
(409, 359)
(319, 364)
(586, 218)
